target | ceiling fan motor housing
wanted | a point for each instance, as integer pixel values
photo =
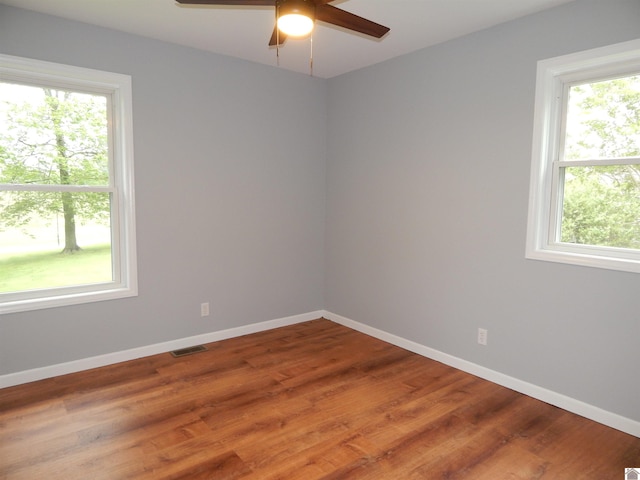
(306, 8)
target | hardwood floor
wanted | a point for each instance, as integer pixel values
(314, 400)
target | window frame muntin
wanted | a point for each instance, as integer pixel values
(118, 90)
(553, 79)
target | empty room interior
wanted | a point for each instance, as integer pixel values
(351, 250)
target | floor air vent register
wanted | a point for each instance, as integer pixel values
(182, 352)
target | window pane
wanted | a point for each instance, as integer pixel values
(601, 206)
(603, 120)
(54, 240)
(52, 137)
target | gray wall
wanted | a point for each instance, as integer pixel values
(229, 166)
(427, 196)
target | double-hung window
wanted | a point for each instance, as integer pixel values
(584, 205)
(67, 228)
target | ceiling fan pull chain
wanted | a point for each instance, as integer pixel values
(311, 56)
(277, 35)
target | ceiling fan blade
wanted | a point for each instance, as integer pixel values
(342, 18)
(277, 37)
(259, 3)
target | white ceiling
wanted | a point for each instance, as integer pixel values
(244, 32)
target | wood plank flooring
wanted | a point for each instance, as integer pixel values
(310, 401)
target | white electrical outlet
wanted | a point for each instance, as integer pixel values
(204, 309)
(482, 336)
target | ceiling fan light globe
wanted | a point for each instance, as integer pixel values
(295, 24)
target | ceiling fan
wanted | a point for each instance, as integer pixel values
(295, 18)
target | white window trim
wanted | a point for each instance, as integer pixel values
(118, 87)
(552, 77)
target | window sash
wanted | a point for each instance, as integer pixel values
(559, 165)
(21, 187)
(112, 95)
(598, 162)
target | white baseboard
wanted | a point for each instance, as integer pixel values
(578, 407)
(27, 376)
